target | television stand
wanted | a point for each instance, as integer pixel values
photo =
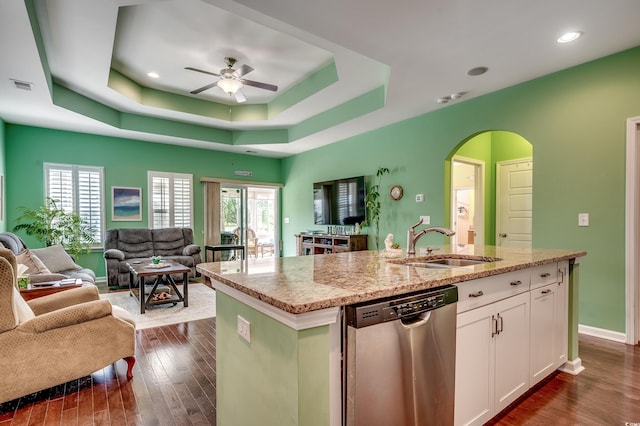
(308, 244)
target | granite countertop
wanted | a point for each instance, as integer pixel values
(303, 284)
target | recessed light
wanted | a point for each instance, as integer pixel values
(569, 37)
(477, 71)
(153, 74)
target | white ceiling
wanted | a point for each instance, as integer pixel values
(417, 50)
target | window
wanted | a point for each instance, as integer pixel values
(78, 189)
(171, 200)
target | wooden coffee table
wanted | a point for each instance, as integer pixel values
(147, 269)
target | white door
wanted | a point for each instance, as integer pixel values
(514, 203)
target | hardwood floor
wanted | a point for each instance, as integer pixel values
(174, 384)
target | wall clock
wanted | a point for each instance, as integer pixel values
(396, 192)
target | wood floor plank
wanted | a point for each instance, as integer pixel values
(174, 384)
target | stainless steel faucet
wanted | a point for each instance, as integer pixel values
(412, 237)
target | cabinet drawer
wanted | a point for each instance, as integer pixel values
(544, 275)
(480, 292)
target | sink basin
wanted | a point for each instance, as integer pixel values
(446, 262)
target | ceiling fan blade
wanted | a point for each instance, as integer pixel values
(202, 71)
(245, 69)
(240, 97)
(203, 88)
(259, 85)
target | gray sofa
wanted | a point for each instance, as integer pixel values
(125, 245)
(46, 264)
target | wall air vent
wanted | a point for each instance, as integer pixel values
(24, 85)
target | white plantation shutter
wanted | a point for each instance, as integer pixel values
(78, 189)
(171, 200)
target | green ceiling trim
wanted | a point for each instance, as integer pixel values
(261, 137)
(80, 104)
(73, 101)
(309, 86)
(161, 126)
(356, 107)
(37, 36)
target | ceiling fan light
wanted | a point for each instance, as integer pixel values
(229, 85)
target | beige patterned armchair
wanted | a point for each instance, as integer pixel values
(56, 338)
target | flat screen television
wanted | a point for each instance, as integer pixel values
(339, 202)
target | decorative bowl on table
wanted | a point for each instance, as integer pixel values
(156, 260)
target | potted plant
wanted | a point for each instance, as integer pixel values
(52, 225)
(374, 206)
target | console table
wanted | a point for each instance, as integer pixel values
(307, 244)
(223, 247)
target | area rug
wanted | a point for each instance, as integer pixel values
(202, 304)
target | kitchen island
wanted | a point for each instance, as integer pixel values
(289, 372)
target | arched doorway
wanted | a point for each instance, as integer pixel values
(474, 188)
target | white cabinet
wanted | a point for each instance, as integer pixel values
(512, 331)
(492, 358)
(549, 325)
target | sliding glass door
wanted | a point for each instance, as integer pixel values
(249, 216)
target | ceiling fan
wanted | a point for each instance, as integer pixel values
(231, 80)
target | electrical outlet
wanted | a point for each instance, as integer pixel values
(426, 220)
(419, 198)
(583, 219)
(244, 329)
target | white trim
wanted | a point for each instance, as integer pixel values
(631, 232)
(614, 336)
(296, 321)
(573, 367)
(479, 190)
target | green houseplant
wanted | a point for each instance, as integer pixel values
(52, 225)
(374, 206)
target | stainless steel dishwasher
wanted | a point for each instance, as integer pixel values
(400, 356)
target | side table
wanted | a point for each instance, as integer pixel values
(33, 291)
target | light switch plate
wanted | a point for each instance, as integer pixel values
(583, 219)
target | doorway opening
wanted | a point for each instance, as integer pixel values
(473, 186)
(248, 216)
(632, 231)
(467, 200)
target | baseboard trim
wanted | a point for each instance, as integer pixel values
(573, 367)
(615, 336)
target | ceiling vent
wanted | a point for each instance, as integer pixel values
(21, 84)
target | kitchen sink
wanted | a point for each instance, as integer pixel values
(445, 262)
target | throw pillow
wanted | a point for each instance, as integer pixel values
(32, 262)
(56, 259)
(21, 308)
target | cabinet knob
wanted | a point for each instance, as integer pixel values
(545, 275)
(476, 294)
(547, 291)
(503, 235)
(516, 282)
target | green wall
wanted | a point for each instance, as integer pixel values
(125, 162)
(575, 120)
(280, 378)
